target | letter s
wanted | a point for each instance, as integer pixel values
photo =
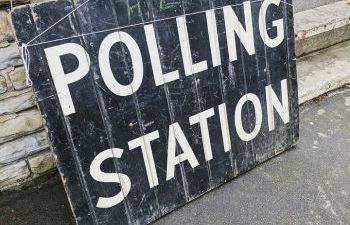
(98, 175)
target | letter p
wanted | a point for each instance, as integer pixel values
(62, 80)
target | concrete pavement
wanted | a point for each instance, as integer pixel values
(309, 184)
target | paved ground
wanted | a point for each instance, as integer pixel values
(309, 184)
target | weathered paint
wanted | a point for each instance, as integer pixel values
(209, 100)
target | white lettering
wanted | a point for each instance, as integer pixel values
(270, 42)
(258, 117)
(272, 102)
(120, 178)
(105, 66)
(176, 135)
(189, 67)
(145, 143)
(202, 119)
(233, 26)
(213, 38)
(60, 79)
(159, 77)
(225, 129)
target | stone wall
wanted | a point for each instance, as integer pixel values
(24, 147)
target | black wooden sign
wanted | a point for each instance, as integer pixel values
(151, 103)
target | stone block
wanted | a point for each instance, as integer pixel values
(5, 30)
(3, 85)
(18, 103)
(18, 78)
(322, 27)
(13, 126)
(12, 94)
(23, 147)
(4, 44)
(42, 163)
(10, 56)
(14, 2)
(323, 71)
(13, 174)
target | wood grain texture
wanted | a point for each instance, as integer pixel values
(104, 120)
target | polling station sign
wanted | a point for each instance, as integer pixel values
(150, 104)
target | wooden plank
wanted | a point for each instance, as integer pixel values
(121, 113)
(235, 86)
